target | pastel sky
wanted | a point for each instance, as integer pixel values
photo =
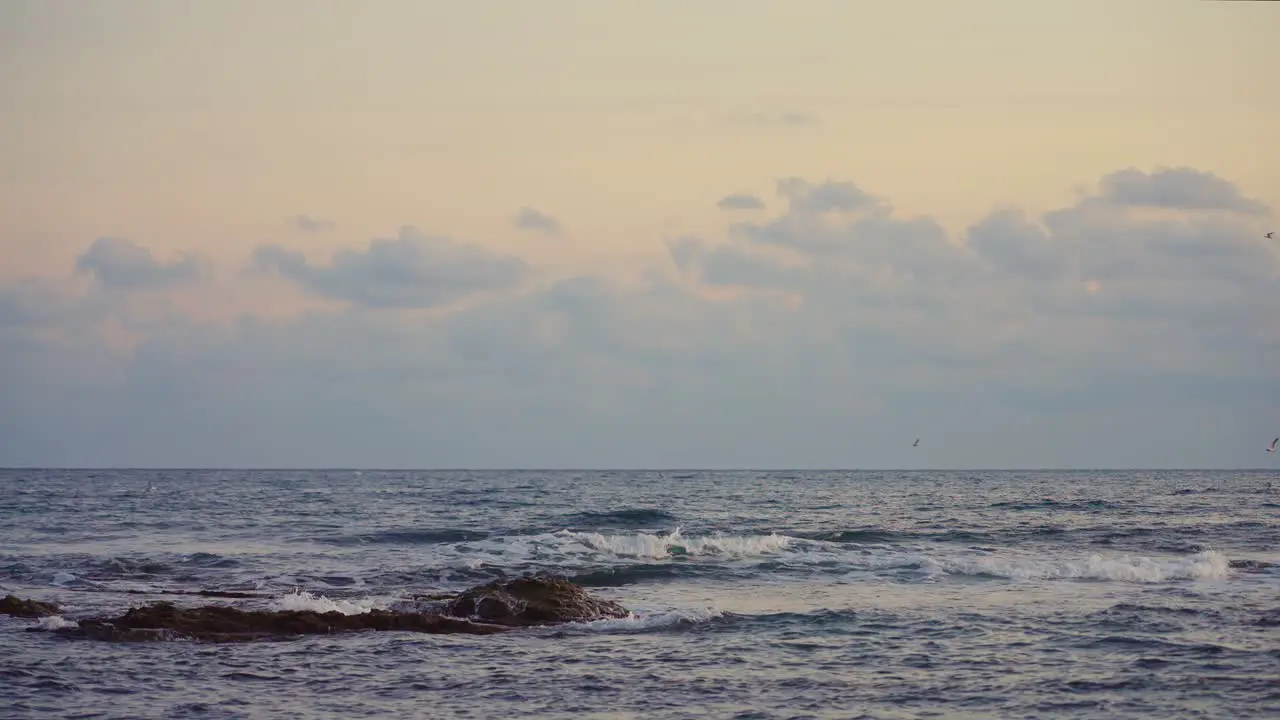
(405, 233)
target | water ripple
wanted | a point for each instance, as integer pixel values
(756, 594)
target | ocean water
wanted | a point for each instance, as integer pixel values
(755, 594)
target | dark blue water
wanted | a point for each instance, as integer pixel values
(755, 594)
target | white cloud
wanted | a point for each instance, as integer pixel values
(1018, 247)
(122, 264)
(530, 219)
(1181, 188)
(309, 224)
(740, 201)
(409, 271)
(829, 196)
(831, 334)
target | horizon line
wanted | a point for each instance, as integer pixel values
(246, 468)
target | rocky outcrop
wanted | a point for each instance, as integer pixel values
(219, 623)
(487, 609)
(532, 601)
(17, 607)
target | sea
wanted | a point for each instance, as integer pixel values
(754, 594)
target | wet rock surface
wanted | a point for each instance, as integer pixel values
(164, 621)
(532, 601)
(493, 608)
(17, 607)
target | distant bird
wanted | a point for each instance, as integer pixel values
(1269, 235)
(1272, 446)
(917, 442)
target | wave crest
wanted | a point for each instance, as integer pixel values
(642, 545)
(679, 617)
(303, 600)
(1204, 565)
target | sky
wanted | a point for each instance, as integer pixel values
(748, 234)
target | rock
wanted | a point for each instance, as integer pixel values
(1250, 565)
(110, 633)
(12, 605)
(493, 608)
(163, 621)
(532, 601)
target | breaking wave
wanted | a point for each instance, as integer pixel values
(615, 559)
(302, 600)
(1201, 566)
(675, 544)
(671, 619)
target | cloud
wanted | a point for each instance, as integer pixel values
(830, 334)
(810, 198)
(30, 302)
(409, 271)
(121, 264)
(740, 201)
(836, 228)
(1180, 188)
(1075, 302)
(309, 224)
(1016, 246)
(529, 219)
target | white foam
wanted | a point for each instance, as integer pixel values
(56, 622)
(661, 546)
(303, 600)
(1201, 566)
(1206, 565)
(567, 550)
(642, 622)
(576, 548)
(62, 579)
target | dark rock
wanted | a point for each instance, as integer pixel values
(111, 633)
(12, 605)
(493, 608)
(1250, 565)
(163, 621)
(532, 601)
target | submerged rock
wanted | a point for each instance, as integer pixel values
(1250, 565)
(487, 609)
(165, 621)
(532, 601)
(17, 607)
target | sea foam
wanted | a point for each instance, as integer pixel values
(1201, 566)
(303, 600)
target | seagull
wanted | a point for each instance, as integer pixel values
(1269, 235)
(917, 442)
(1272, 446)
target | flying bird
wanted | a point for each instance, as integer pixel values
(1269, 235)
(1272, 446)
(917, 442)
